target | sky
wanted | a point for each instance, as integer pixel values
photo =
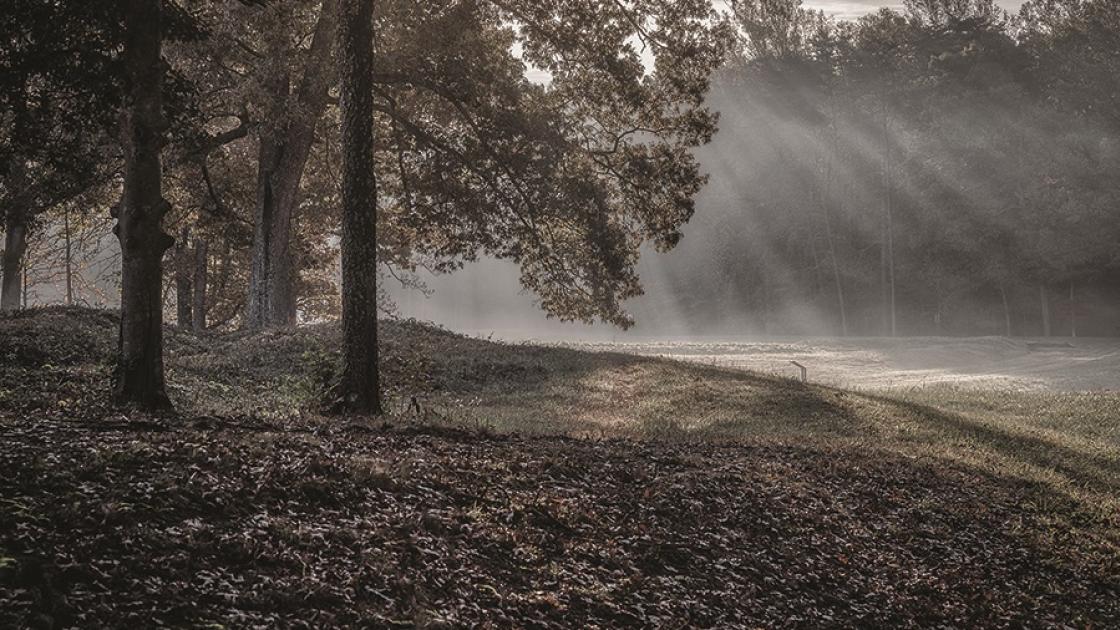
(848, 9)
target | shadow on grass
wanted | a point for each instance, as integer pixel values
(1096, 473)
(524, 388)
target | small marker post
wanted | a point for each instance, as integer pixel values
(804, 371)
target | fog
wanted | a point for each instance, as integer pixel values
(981, 240)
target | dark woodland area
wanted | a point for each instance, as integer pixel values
(860, 282)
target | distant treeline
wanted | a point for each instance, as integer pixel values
(947, 170)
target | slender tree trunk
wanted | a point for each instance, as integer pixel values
(15, 248)
(1045, 301)
(139, 378)
(184, 268)
(1072, 312)
(826, 200)
(831, 242)
(201, 261)
(1006, 310)
(836, 279)
(284, 148)
(69, 258)
(893, 294)
(818, 281)
(890, 312)
(360, 386)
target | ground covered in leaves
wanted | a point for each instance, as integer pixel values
(250, 520)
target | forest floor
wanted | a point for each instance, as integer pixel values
(537, 487)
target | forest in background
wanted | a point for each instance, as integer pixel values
(959, 167)
(911, 174)
(948, 169)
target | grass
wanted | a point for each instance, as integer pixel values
(1065, 444)
(941, 492)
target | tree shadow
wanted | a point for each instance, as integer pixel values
(1098, 473)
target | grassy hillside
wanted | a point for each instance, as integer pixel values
(538, 486)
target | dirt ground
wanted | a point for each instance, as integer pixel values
(1057, 364)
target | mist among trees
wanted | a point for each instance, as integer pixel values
(852, 285)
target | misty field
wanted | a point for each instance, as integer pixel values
(906, 364)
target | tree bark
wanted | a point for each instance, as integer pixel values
(17, 218)
(184, 272)
(139, 378)
(201, 277)
(69, 253)
(360, 385)
(15, 247)
(285, 144)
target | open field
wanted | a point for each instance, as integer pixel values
(877, 364)
(540, 486)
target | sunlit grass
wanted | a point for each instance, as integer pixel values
(1066, 446)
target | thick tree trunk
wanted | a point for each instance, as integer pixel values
(360, 387)
(139, 378)
(201, 261)
(16, 220)
(184, 275)
(282, 157)
(15, 247)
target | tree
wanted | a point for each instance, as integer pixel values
(139, 376)
(285, 144)
(360, 386)
(566, 179)
(57, 99)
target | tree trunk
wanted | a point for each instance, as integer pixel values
(1045, 300)
(818, 281)
(826, 201)
(360, 386)
(139, 378)
(184, 268)
(836, 279)
(1006, 310)
(201, 260)
(282, 157)
(69, 253)
(890, 312)
(1072, 312)
(830, 239)
(15, 247)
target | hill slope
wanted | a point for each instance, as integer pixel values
(244, 511)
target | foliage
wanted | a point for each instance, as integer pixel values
(990, 140)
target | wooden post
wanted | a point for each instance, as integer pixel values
(804, 371)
